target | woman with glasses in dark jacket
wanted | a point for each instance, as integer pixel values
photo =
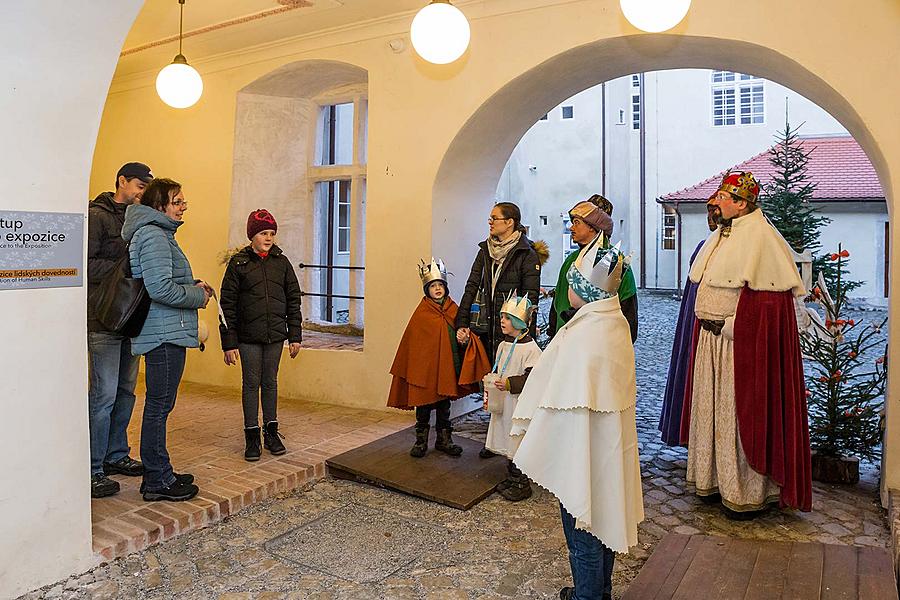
(506, 262)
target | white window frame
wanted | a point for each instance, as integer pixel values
(724, 102)
(354, 173)
(741, 99)
(669, 228)
(343, 226)
(636, 111)
(752, 103)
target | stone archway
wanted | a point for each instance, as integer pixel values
(471, 167)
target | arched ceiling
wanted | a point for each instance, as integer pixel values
(213, 27)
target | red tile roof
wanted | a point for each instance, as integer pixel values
(837, 165)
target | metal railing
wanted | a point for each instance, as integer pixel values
(329, 295)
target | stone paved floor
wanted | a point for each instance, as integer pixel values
(205, 438)
(495, 551)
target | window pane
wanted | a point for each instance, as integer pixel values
(336, 134)
(636, 111)
(343, 240)
(568, 112)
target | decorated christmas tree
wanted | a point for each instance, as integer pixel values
(845, 375)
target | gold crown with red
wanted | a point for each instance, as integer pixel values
(742, 184)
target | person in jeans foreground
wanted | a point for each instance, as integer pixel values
(261, 303)
(113, 369)
(577, 415)
(170, 329)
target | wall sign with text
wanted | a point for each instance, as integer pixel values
(41, 250)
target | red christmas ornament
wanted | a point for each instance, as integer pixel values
(833, 257)
(845, 253)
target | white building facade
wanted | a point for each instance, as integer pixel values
(642, 137)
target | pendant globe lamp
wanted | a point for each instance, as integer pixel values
(179, 84)
(440, 32)
(655, 16)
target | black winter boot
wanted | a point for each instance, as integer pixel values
(518, 490)
(444, 443)
(421, 445)
(511, 478)
(253, 450)
(272, 439)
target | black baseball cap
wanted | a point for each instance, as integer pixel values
(134, 170)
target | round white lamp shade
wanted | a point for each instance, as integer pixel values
(179, 84)
(440, 33)
(655, 16)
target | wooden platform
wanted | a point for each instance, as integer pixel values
(701, 567)
(460, 482)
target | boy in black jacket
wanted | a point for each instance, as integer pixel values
(261, 304)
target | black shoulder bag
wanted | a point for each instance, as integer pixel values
(122, 302)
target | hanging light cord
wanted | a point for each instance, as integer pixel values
(180, 25)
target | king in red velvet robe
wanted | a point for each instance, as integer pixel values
(767, 372)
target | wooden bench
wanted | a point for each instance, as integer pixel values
(702, 567)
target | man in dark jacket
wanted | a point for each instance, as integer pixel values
(588, 218)
(113, 370)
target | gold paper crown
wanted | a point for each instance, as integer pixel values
(435, 271)
(741, 184)
(606, 273)
(520, 308)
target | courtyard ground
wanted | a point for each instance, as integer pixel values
(340, 540)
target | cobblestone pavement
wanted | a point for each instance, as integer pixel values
(341, 540)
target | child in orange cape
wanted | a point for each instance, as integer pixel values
(429, 370)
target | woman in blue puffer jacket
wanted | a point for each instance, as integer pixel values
(170, 328)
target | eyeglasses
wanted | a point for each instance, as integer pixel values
(492, 219)
(179, 203)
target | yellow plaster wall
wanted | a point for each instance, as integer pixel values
(843, 55)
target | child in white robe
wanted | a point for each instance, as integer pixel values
(516, 355)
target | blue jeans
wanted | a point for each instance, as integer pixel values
(164, 368)
(113, 374)
(591, 561)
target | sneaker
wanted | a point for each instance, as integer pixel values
(102, 486)
(127, 466)
(182, 478)
(177, 492)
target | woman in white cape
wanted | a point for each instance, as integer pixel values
(576, 420)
